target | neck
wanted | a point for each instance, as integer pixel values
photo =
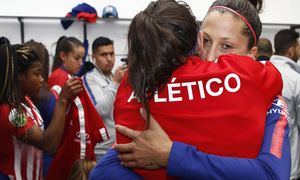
(107, 74)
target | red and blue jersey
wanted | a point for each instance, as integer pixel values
(83, 129)
(218, 107)
(187, 162)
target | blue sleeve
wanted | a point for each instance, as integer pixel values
(110, 168)
(186, 162)
(273, 161)
(3, 177)
(46, 109)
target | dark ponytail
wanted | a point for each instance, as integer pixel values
(159, 38)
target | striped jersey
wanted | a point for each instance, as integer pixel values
(17, 159)
(82, 131)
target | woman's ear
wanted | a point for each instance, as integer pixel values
(252, 53)
(62, 56)
(199, 47)
(21, 77)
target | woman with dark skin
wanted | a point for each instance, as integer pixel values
(21, 122)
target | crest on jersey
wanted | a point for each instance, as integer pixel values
(16, 118)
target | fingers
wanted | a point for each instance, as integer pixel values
(72, 87)
(124, 148)
(132, 134)
(126, 157)
(124, 67)
(143, 113)
(129, 164)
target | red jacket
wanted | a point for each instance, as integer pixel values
(83, 129)
(220, 108)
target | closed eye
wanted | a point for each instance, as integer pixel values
(227, 46)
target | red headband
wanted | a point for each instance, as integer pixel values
(224, 7)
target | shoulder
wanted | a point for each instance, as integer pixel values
(58, 77)
(15, 122)
(90, 75)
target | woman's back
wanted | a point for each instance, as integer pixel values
(186, 108)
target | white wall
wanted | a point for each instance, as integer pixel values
(276, 11)
(47, 31)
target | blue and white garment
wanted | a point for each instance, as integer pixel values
(290, 72)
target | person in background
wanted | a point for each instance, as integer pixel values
(21, 126)
(102, 86)
(81, 169)
(56, 58)
(152, 150)
(84, 127)
(287, 47)
(67, 60)
(46, 99)
(264, 49)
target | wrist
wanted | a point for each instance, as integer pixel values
(62, 100)
(166, 150)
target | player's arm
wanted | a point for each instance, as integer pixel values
(109, 167)
(185, 161)
(49, 139)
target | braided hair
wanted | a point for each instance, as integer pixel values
(14, 59)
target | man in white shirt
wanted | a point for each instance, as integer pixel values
(102, 86)
(285, 59)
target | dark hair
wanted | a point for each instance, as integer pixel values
(4, 40)
(264, 47)
(14, 59)
(43, 55)
(284, 39)
(101, 41)
(249, 9)
(159, 38)
(66, 45)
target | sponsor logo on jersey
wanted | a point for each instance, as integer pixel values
(16, 118)
(82, 138)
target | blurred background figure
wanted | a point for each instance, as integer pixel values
(287, 47)
(102, 86)
(264, 49)
(81, 169)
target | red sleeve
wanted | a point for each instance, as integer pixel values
(57, 79)
(266, 75)
(11, 124)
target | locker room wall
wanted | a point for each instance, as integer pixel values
(48, 30)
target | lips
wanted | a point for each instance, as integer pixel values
(110, 65)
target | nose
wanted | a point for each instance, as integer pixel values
(41, 79)
(80, 62)
(212, 54)
(109, 57)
